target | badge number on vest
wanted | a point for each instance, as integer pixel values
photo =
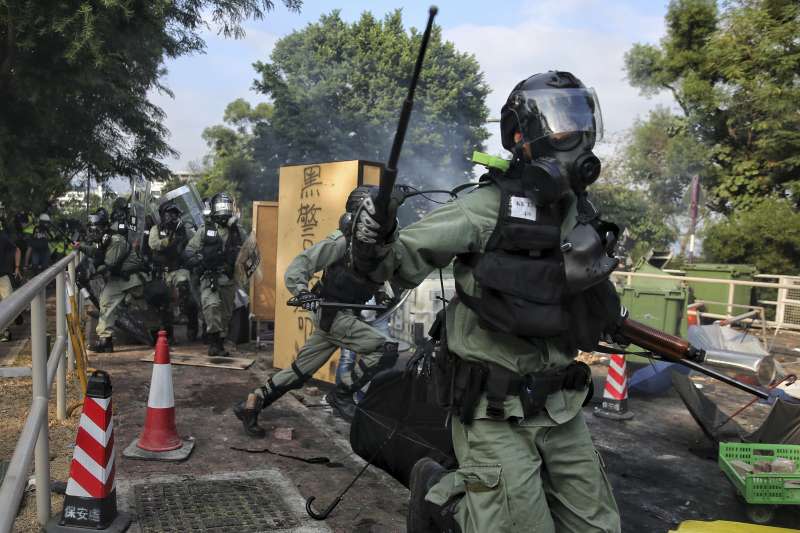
(522, 207)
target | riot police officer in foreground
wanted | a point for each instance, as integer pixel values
(212, 252)
(531, 265)
(332, 328)
(121, 265)
(167, 242)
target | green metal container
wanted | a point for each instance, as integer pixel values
(663, 309)
(657, 308)
(718, 292)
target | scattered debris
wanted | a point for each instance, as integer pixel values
(283, 433)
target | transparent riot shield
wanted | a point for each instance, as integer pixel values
(188, 200)
(137, 206)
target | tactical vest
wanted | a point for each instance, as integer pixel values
(170, 257)
(219, 255)
(520, 274)
(522, 280)
(341, 284)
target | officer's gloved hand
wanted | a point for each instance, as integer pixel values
(307, 300)
(371, 228)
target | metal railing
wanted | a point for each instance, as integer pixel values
(787, 285)
(34, 438)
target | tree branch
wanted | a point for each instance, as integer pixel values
(8, 60)
(674, 92)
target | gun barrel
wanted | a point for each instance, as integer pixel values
(678, 350)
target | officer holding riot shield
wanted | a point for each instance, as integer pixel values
(531, 265)
(122, 266)
(212, 252)
(167, 242)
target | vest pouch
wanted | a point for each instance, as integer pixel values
(539, 280)
(511, 314)
(526, 237)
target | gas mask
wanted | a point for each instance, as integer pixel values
(558, 168)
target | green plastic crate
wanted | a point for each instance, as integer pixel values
(762, 488)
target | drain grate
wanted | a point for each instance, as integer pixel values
(218, 506)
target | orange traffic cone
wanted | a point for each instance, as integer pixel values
(91, 497)
(159, 439)
(615, 394)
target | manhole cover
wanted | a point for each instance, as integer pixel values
(219, 506)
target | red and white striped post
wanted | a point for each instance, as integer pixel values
(615, 394)
(91, 499)
(159, 439)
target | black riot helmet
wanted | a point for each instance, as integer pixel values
(354, 201)
(171, 215)
(98, 225)
(560, 119)
(222, 208)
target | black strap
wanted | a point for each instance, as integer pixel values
(309, 460)
(302, 377)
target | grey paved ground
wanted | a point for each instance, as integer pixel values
(662, 467)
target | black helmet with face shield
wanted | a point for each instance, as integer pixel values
(560, 120)
(97, 225)
(171, 216)
(222, 208)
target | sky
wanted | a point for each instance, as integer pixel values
(511, 40)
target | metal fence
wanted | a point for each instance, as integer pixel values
(786, 307)
(34, 438)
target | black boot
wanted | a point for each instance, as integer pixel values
(103, 345)
(247, 411)
(342, 402)
(191, 324)
(423, 516)
(216, 346)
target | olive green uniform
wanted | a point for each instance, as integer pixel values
(120, 289)
(540, 474)
(347, 330)
(171, 277)
(217, 289)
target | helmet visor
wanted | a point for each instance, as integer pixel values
(223, 207)
(557, 112)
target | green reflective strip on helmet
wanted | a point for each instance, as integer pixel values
(490, 161)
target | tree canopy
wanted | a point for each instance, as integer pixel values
(337, 89)
(767, 236)
(74, 83)
(733, 74)
(230, 166)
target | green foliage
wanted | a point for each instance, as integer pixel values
(337, 89)
(630, 207)
(230, 166)
(734, 74)
(767, 236)
(663, 157)
(74, 80)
